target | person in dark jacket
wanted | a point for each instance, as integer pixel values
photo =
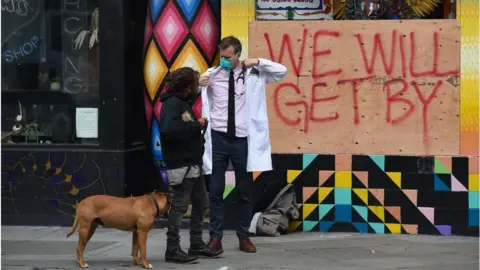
(182, 145)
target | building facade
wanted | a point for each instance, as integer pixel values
(354, 188)
(71, 121)
(89, 110)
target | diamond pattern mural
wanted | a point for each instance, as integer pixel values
(154, 70)
(155, 140)
(189, 7)
(156, 8)
(177, 34)
(205, 30)
(190, 56)
(148, 109)
(170, 30)
(148, 32)
(158, 105)
(215, 4)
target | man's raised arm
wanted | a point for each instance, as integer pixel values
(275, 71)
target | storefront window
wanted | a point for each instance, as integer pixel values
(50, 71)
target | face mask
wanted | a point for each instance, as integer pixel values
(225, 63)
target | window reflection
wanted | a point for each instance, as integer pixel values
(50, 68)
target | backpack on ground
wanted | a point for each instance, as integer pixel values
(275, 219)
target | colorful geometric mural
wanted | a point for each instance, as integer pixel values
(379, 194)
(177, 34)
(385, 194)
(468, 14)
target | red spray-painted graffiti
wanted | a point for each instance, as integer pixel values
(403, 76)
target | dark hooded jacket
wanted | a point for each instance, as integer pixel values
(181, 140)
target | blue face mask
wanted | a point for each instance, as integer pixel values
(225, 63)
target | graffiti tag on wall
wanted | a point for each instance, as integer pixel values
(355, 87)
(48, 182)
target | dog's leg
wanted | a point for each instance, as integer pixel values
(136, 260)
(93, 227)
(83, 235)
(142, 244)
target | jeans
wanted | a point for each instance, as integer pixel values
(193, 189)
(235, 149)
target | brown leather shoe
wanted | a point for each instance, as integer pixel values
(215, 244)
(246, 245)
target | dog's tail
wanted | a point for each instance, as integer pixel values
(74, 227)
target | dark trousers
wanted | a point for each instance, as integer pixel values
(193, 189)
(236, 150)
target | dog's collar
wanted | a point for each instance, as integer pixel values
(155, 203)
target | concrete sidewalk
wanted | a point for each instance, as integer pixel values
(47, 248)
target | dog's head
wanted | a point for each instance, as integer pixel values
(164, 201)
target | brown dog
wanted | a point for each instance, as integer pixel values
(135, 214)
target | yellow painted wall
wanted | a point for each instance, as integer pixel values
(236, 14)
(468, 14)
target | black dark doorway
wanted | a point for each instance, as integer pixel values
(141, 176)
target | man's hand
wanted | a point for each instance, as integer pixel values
(186, 117)
(204, 80)
(250, 62)
(203, 122)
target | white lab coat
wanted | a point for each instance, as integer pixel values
(259, 149)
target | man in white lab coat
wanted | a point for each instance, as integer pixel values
(233, 101)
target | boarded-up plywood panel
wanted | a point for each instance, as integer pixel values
(364, 87)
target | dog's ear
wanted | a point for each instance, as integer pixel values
(167, 196)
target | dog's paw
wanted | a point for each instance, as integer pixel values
(82, 265)
(149, 266)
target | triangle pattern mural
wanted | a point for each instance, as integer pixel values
(308, 192)
(456, 185)
(379, 160)
(307, 159)
(177, 33)
(439, 184)
(443, 165)
(292, 175)
(396, 177)
(228, 190)
(403, 199)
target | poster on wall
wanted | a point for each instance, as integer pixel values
(294, 10)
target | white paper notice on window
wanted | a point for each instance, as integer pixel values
(86, 122)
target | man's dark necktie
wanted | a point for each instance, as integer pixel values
(231, 106)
